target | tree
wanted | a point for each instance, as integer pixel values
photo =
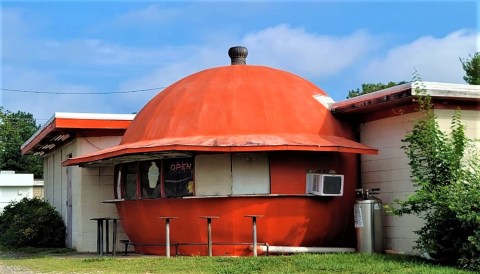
(446, 172)
(371, 87)
(15, 129)
(472, 69)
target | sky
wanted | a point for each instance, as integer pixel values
(114, 56)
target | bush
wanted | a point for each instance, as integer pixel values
(31, 223)
(446, 171)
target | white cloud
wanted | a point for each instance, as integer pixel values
(91, 65)
(21, 44)
(436, 59)
(193, 59)
(96, 52)
(291, 49)
(151, 14)
(308, 54)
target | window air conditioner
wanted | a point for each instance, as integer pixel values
(325, 184)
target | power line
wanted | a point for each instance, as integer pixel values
(21, 119)
(78, 93)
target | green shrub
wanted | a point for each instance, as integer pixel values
(33, 223)
(446, 171)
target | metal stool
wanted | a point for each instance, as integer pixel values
(167, 233)
(209, 232)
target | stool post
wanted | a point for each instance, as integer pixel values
(254, 220)
(114, 244)
(107, 236)
(209, 233)
(254, 232)
(167, 234)
(209, 236)
(100, 233)
(167, 237)
(98, 236)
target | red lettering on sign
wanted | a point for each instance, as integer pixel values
(181, 166)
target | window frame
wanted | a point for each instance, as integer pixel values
(120, 178)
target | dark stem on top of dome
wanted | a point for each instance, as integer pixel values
(238, 55)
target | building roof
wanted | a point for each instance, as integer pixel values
(10, 178)
(400, 99)
(234, 108)
(62, 127)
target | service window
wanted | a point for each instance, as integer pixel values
(213, 175)
(130, 180)
(250, 173)
(150, 179)
(178, 177)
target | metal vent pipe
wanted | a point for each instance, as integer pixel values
(238, 55)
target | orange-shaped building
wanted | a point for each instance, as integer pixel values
(230, 142)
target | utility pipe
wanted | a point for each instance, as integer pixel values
(303, 249)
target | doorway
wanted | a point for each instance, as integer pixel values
(69, 205)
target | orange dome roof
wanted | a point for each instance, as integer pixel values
(234, 108)
(233, 100)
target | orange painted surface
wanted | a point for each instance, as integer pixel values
(39, 138)
(241, 100)
(287, 221)
(58, 125)
(91, 123)
(230, 144)
(288, 169)
(234, 108)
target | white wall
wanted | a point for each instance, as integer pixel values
(389, 170)
(470, 118)
(10, 194)
(14, 187)
(90, 187)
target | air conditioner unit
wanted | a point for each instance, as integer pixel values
(325, 184)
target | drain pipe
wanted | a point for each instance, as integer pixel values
(302, 249)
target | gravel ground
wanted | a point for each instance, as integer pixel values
(7, 269)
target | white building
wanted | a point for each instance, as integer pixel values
(383, 119)
(14, 187)
(77, 193)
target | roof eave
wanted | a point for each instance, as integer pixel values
(402, 93)
(145, 153)
(76, 121)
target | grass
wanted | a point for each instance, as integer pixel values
(67, 262)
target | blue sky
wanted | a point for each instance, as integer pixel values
(111, 46)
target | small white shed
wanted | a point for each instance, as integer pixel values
(15, 186)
